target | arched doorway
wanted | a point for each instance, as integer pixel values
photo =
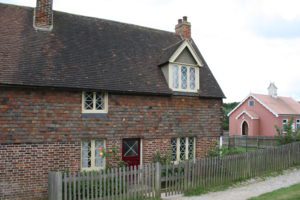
(245, 128)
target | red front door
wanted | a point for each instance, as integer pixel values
(131, 151)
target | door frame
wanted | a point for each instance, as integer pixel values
(140, 148)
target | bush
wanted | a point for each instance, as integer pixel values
(287, 135)
(162, 159)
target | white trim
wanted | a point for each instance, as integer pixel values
(179, 89)
(186, 153)
(83, 110)
(191, 49)
(141, 151)
(245, 112)
(93, 157)
(259, 101)
(242, 126)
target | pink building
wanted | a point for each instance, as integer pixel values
(258, 114)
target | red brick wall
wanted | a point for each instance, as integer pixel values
(24, 167)
(41, 131)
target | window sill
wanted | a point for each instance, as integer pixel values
(94, 115)
(192, 94)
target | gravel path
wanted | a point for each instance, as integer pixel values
(250, 188)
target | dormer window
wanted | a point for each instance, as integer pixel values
(184, 78)
(94, 102)
(182, 70)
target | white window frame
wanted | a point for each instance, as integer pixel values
(297, 124)
(251, 101)
(93, 157)
(94, 110)
(285, 122)
(186, 149)
(180, 89)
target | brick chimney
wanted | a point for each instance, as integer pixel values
(183, 28)
(43, 15)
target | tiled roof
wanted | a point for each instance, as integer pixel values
(88, 53)
(280, 105)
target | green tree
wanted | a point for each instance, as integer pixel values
(227, 108)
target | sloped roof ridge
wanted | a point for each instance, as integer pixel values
(94, 18)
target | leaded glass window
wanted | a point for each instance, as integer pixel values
(175, 76)
(183, 77)
(88, 100)
(100, 101)
(86, 154)
(192, 78)
(99, 153)
(190, 147)
(183, 148)
(174, 148)
(94, 102)
(92, 154)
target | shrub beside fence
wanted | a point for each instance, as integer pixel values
(149, 181)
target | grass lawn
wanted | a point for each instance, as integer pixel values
(289, 193)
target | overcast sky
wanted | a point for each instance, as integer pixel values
(246, 43)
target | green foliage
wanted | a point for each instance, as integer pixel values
(114, 154)
(162, 158)
(226, 151)
(287, 135)
(227, 108)
(289, 193)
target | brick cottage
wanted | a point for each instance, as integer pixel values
(80, 93)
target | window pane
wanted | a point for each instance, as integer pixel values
(192, 78)
(88, 100)
(100, 101)
(191, 148)
(183, 77)
(86, 154)
(182, 149)
(174, 148)
(99, 153)
(175, 77)
(131, 148)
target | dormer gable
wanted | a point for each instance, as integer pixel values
(186, 54)
(182, 70)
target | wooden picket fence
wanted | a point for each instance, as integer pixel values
(150, 181)
(118, 183)
(215, 171)
(250, 142)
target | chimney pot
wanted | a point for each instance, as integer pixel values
(43, 15)
(183, 28)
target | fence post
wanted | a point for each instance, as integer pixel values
(157, 180)
(55, 186)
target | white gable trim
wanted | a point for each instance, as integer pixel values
(245, 112)
(190, 48)
(258, 100)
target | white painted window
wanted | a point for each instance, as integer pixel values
(92, 155)
(183, 148)
(298, 124)
(284, 124)
(185, 78)
(251, 103)
(94, 102)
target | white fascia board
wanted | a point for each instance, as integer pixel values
(245, 112)
(191, 49)
(258, 100)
